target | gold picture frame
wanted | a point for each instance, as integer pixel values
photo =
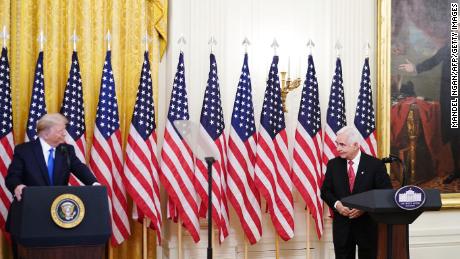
(383, 109)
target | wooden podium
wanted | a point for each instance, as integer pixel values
(45, 223)
(393, 237)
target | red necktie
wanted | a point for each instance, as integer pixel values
(351, 175)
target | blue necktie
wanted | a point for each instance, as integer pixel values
(51, 165)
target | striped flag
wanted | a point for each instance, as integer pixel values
(335, 118)
(37, 106)
(106, 157)
(242, 144)
(177, 162)
(6, 135)
(364, 116)
(272, 172)
(72, 108)
(212, 134)
(307, 174)
(141, 164)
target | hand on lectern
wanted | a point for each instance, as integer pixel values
(18, 191)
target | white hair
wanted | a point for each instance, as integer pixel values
(351, 133)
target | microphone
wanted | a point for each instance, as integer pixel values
(390, 159)
(393, 158)
(65, 152)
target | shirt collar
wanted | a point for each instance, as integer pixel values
(357, 158)
(45, 146)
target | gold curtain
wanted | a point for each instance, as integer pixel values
(127, 21)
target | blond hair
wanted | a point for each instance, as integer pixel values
(49, 120)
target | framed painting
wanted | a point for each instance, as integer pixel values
(414, 94)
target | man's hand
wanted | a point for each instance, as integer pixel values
(18, 191)
(408, 67)
(344, 211)
(355, 213)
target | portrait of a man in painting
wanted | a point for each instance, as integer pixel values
(421, 131)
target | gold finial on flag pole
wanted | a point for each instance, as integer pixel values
(108, 38)
(246, 43)
(367, 49)
(274, 46)
(212, 42)
(74, 39)
(181, 42)
(41, 39)
(338, 47)
(310, 46)
(146, 40)
(4, 36)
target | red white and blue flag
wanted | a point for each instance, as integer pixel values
(212, 133)
(141, 163)
(272, 171)
(242, 144)
(106, 157)
(364, 116)
(37, 106)
(307, 174)
(177, 161)
(72, 108)
(6, 136)
(335, 118)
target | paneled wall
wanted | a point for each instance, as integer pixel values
(292, 22)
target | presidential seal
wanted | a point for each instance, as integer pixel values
(410, 197)
(67, 210)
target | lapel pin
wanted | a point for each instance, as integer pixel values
(362, 172)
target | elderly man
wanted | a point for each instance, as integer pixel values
(350, 173)
(46, 161)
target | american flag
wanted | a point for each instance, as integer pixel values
(272, 172)
(307, 174)
(37, 106)
(141, 164)
(72, 108)
(177, 162)
(106, 157)
(364, 116)
(335, 118)
(212, 133)
(242, 144)
(6, 135)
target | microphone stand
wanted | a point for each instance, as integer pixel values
(390, 159)
(209, 161)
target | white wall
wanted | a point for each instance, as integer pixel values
(292, 23)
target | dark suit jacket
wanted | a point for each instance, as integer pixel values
(371, 174)
(28, 166)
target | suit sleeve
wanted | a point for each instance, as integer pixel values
(79, 169)
(434, 60)
(327, 189)
(15, 171)
(382, 179)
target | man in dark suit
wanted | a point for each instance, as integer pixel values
(350, 173)
(46, 161)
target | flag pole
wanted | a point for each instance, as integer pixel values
(144, 221)
(179, 238)
(245, 247)
(144, 238)
(308, 233)
(277, 246)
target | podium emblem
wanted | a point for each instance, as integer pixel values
(67, 210)
(410, 197)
